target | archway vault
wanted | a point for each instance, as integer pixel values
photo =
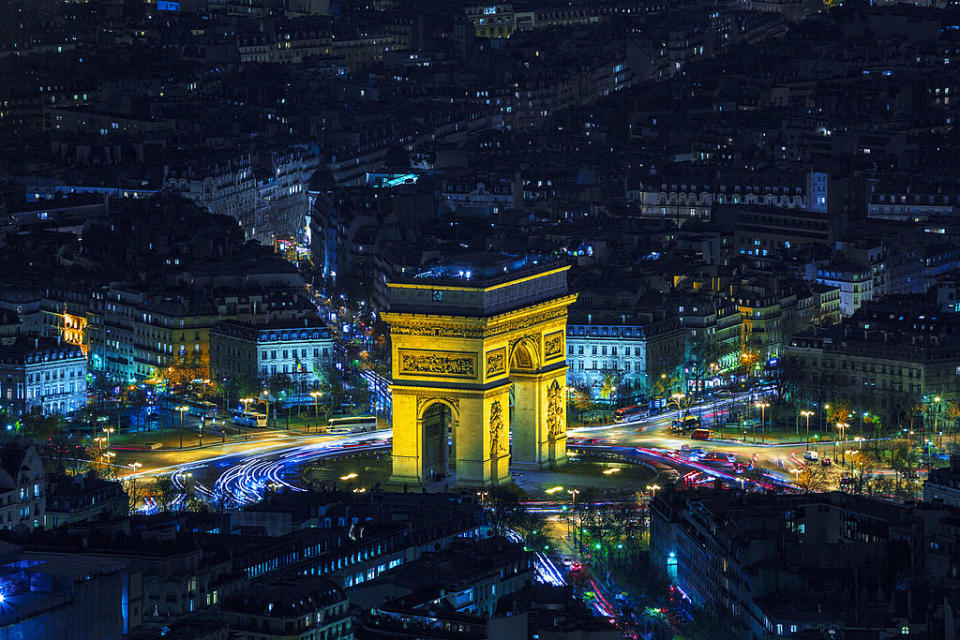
(464, 347)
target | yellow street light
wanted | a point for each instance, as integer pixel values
(316, 406)
(842, 426)
(181, 409)
(763, 421)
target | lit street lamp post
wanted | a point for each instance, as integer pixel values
(763, 422)
(573, 495)
(316, 406)
(134, 466)
(181, 409)
(806, 414)
(246, 409)
(843, 458)
(936, 418)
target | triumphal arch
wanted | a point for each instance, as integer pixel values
(479, 375)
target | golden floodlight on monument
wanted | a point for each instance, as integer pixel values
(479, 369)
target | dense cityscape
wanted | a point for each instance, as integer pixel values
(540, 320)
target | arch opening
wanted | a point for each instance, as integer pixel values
(437, 440)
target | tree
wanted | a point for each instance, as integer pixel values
(232, 389)
(702, 359)
(610, 384)
(580, 399)
(873, 423)
(164, 492)
(502, 507)
(838, 412)
(38, 426)
(136, 490)
(813, 479)
(904, 459)
(792, 380)
(101, 387)
(182, 376)
(278, 386)
(952, 415)
(98, 457)
(137, 399)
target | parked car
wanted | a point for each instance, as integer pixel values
(811, 456)
(826, 462)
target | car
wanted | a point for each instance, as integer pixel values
(826, 462)
(699, 451)
(811, 456)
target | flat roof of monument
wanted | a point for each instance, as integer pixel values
(482, 297)
(470, 281)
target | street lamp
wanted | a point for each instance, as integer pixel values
(133, 481)
(677, 397)
(266, 401)
(316, 406)
(936, 417)
(842, 426)
(806, 414)
(573, 497)
(763, 422)
(826, 410)
(181, 409)
(108, 431)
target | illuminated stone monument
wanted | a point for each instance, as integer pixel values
(462, 349)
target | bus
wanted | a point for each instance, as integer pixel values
(701, 434)
(628, 414)
(356, 424)
(249, 419)
(686, 424)
(202, 409)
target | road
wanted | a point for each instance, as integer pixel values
(657, 443)
(240, 470)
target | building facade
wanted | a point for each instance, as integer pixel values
(296, 609)
(878, 370)
(302, 351)
(626, 351)
(23, 497)
(855, 284)
(42, 374)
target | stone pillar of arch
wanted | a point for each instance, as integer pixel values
(539, 424)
